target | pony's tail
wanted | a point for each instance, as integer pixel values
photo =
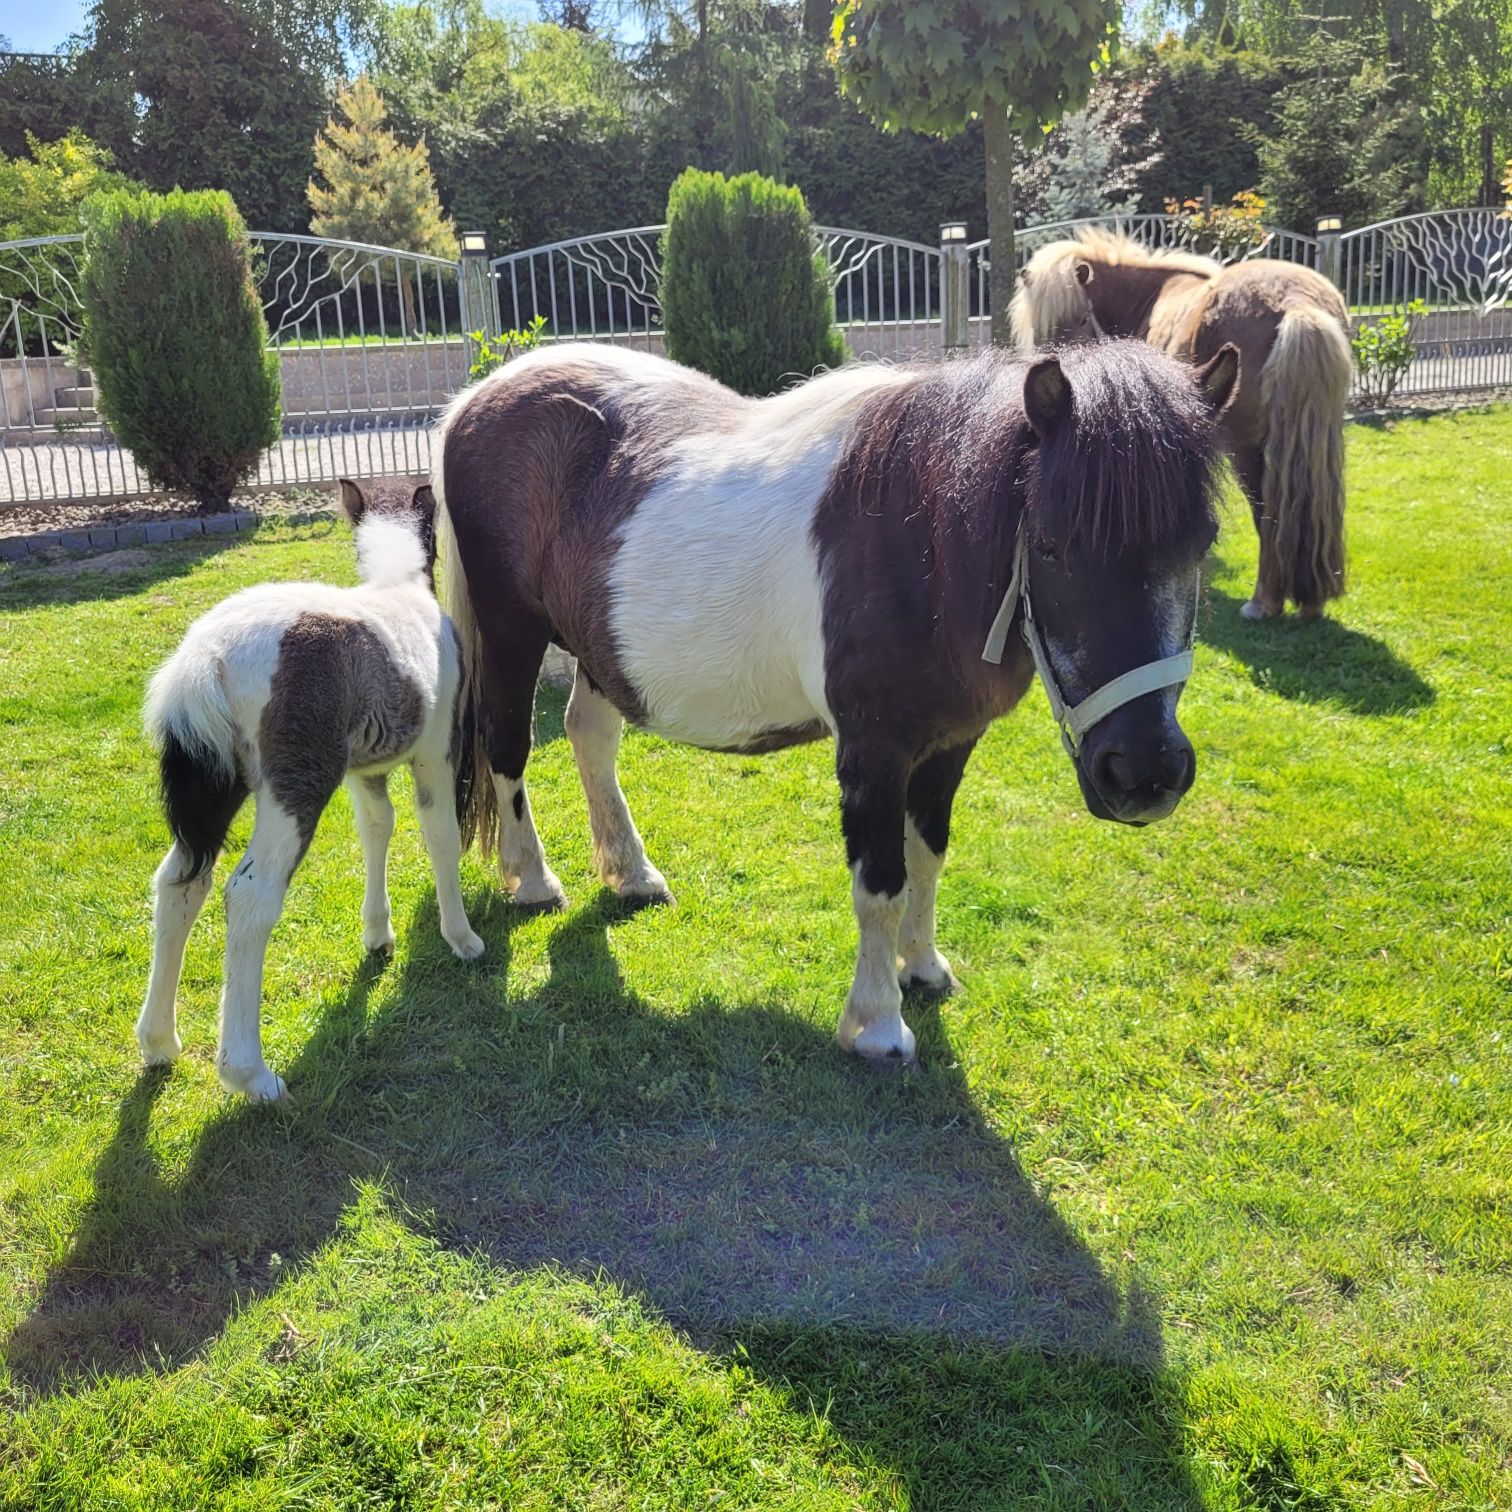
(1304, 387)
(189, 720)
(477, 803)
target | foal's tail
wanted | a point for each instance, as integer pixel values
(1303, 388)
(190, 722)
(477, 803)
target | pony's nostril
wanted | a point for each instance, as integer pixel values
(1112, 772)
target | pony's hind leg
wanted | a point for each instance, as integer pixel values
(926, 832)
(179, 896)
(507, 682)
(375, 824)
(435, 805)
(1269, 597)
(594, 727)
(254, 900)
(873, 784)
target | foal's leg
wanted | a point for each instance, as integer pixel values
(507, 679)
(873, 783)
(435, 803)
(176, 907)
(375, 824)
(926, 831)
(1269, 598)
(594, 726)
(254, 900)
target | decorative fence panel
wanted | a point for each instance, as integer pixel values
(608, 288)
(1458, 265)
(372, 341)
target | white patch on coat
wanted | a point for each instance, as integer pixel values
(715, 596)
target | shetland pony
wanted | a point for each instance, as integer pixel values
(1284, 434)
(282, 691)
(847, 559)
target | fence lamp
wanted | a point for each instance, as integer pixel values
(474, 243)
(953, 231)
(1328, 223)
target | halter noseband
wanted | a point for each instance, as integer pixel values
(1074, 720)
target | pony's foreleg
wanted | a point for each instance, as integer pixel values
(435, 805)
(175, 908)
(926, 832)
(873, 784)
(594, 727)
(375, 824)
(254, 900)
(508, 684)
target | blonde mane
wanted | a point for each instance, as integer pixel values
(1057, 302)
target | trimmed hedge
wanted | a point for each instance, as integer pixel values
(745, 295)
(174, 332)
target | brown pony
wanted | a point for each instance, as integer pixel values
(1284, 433)
(845, 559)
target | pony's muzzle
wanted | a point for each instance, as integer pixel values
(1135, 779)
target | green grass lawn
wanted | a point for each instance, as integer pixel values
(1199, 1195)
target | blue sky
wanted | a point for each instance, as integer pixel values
(39, 25)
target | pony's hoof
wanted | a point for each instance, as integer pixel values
(542, 894)
(1310, 611)
(259, 1084)
(644, 888)
(466, 947)
(378, 944)
(887, 1040)
(1255, 610)
(159, 1050)
(930, 973)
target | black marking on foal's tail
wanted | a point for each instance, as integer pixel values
(200, 799)
(464, 761)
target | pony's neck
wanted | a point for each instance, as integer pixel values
(1129, 292)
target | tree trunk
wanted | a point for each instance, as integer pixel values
(1002, 254)
(1490, 180)
(407, 303)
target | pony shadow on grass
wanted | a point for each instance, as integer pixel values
(1314, 661)
(862, 1240)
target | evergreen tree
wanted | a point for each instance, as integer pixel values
(376, 189)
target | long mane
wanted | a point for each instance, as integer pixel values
(1049, 299)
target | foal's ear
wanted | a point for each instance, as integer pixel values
(425, 500)
(1047, 397)
(353, 501)
(1083, 271)
(1218, 377)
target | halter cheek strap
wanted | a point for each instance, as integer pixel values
(1074, 720)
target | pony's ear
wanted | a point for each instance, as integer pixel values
(1047, 397)
(1218, 377)
(425, 500)
(1083, 270)
(353, 500)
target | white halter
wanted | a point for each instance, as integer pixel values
(1074, 720)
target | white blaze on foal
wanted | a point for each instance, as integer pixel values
(282, 692)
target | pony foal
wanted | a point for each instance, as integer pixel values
(282, 691)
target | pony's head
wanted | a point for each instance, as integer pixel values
(1119, 516)
(1099, 284)
(394, 522)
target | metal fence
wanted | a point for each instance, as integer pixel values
(371, 341)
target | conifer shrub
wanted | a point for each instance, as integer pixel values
(746, 295)
(175, 335)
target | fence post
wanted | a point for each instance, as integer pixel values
(479, 312)
(955, 289)
(1329, 227)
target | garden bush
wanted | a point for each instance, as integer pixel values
(175, 335)
(746, 295)
(1383, 351)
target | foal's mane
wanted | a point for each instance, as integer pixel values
(1132, 469)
